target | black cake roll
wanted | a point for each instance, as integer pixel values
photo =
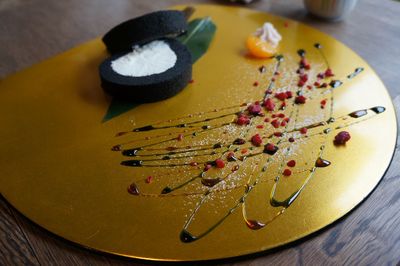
(144, 29)
(153, 87)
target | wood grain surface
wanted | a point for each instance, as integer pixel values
(370, 235)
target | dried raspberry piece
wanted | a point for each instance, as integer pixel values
(242, 120)
(283, 123)
(278, 134)
(303, 130)
(219, 163)
(300, 83)
(193, 164)
(289, 94)
(304, 77)
(260, 126)
(317, 84)
(256, 140)
(180, 137)
(341, 138)
(300, 99)
(254, 109)
(329, 73)
(281, 96)
(275, 123)
(267, 120)
(281, 115)
(243, 151)
(269, 104)
(149, 179)
(291, 163)
(287, 172)
(255, 84)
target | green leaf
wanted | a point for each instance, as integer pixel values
(199, 36)
(117, 107)
(200, 33)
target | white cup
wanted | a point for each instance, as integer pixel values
(330, 9)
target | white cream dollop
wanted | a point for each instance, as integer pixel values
(268, 33)
(153, 58)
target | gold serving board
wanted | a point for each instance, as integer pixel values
(61, 164)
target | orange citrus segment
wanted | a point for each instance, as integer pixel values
(260, 48)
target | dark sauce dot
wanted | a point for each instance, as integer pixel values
(335, 83)
(145, 128)
(187, 237)
(133, 189)
(130, 152)
(301, 52)
(279, 58)
(322, 162)
(133, 163)
(239, 141)
(210, 182)
(254, 225)
(166, 190)
(378, 109)
(359, 113)
(217, 146)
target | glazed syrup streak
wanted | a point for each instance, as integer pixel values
(257, 224)
(154, 155)
(187, 237)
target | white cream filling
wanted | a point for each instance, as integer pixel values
(268, 33)
(152, 58)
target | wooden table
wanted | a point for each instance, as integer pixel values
(37, 29)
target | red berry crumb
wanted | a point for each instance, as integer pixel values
(289, 94)
(243, 151)
(269, 104)
(287, 172)
(242, 120)
(281, 96)
(219, 163)
(329, 73)
(300, 99)
(323, 103)
(255, 84)
(193, 164)
(278, 134)
(303, 130)
(267, 120)
(149, 179)
(260, 126)
(180, 137)
(254, 109)
(283, 123)
(291, 163)
(341, 138)
(256, 140)
(275, 123)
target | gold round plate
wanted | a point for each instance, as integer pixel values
(58, 169)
